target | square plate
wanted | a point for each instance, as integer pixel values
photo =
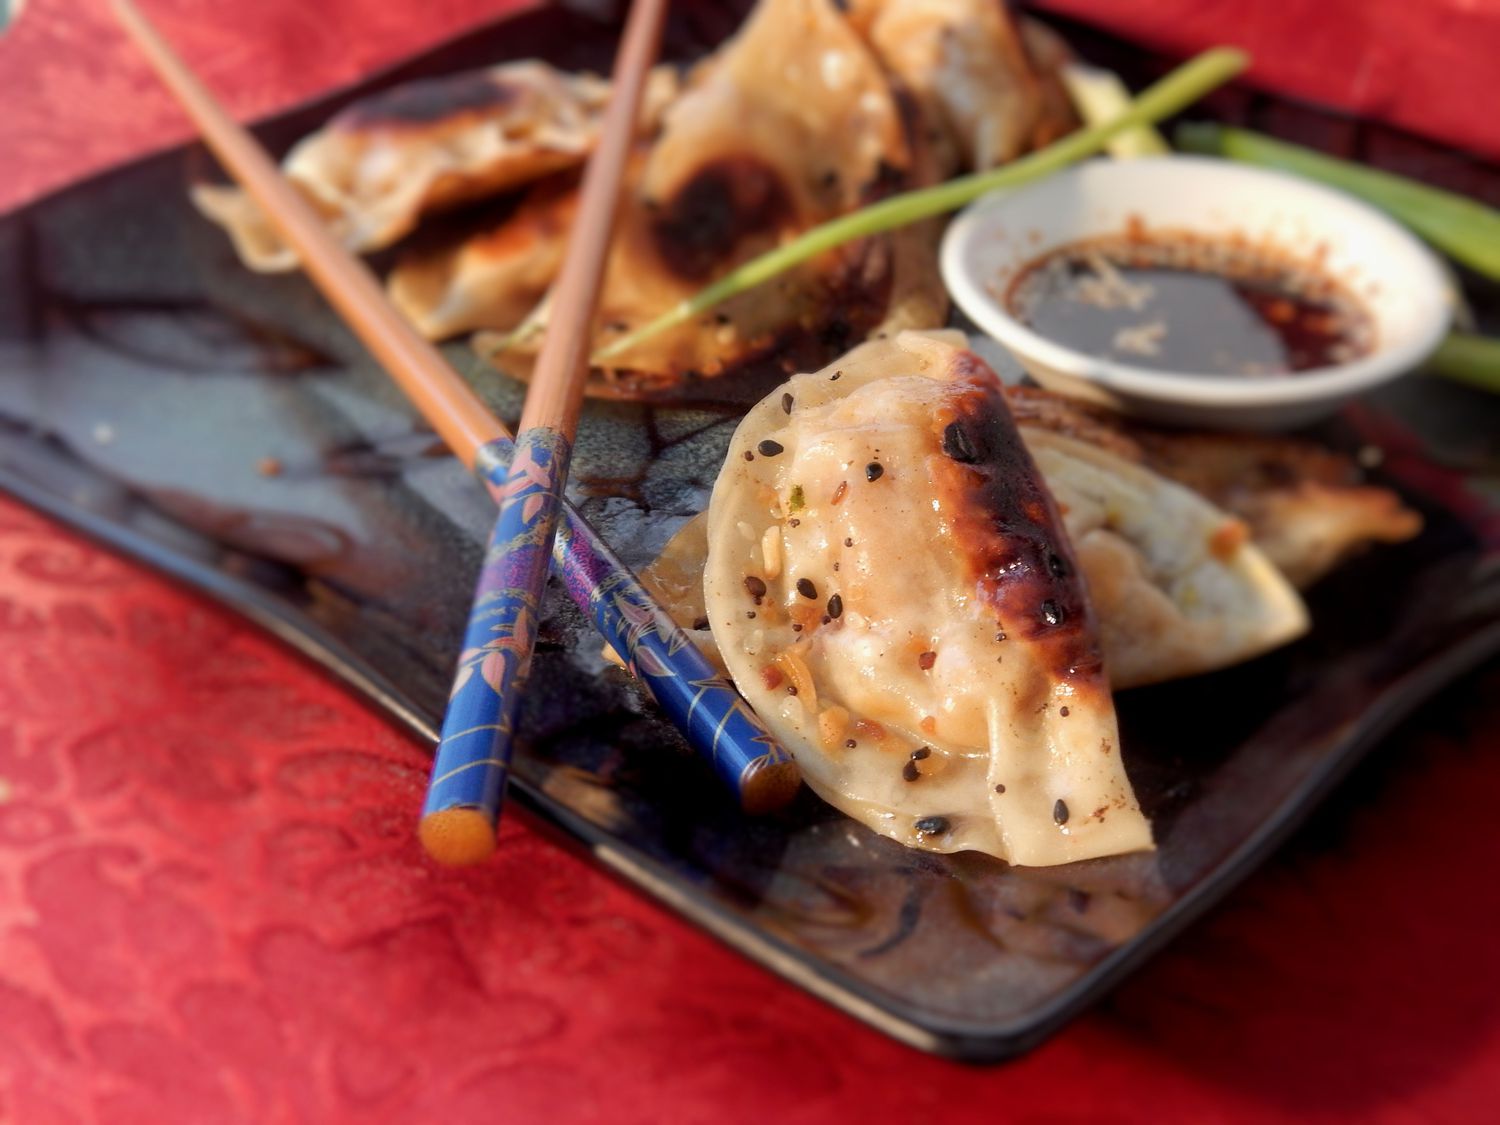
(145, 379)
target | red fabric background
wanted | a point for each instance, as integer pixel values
(212, 909)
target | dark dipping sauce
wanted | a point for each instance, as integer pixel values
(1179, 302)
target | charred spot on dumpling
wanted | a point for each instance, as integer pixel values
(1006, 523)
(720, 204)
(423, 103)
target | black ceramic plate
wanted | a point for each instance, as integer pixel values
(144, 377)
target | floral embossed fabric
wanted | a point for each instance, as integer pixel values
(213, 910)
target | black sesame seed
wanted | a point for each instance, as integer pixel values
(791, 689)
(794, 523)
(1060, 811)
(700, 623)
(806, 588)
(1063, 711)
(796, 628)
(1056, 566)
(836, 606)
(750, 613)
(849, 742)
(874, 471)
(921, 753)
(1052, 613)
(957, 443)
(769, 448)
(756, 585)
(909, 772)
(1000, 636)
(825, 619)
(848, 542)
(835, 377)
(749, 456)
(786, 403)
(932, 825)
(999, 789)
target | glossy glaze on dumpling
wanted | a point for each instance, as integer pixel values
(890, 585)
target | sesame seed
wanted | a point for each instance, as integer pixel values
(756, 586)
(836, 606)
(909, 772)
(1060, 811)
(874, 471)
(921, 753)
(806, 588)
(932, 825)
(769, 448)
(786, 403)
(958, 445)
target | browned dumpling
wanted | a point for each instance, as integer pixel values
(383, 163)
(491, 279)
(890, 584)
(971, 67)
(791, 122)
(1307, 508)
(1178, 585)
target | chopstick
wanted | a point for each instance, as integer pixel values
(473, 756)
(716, 721)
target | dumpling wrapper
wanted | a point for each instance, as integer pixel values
(1178, 587)
(960, 656)
(492, 279)
(970, 66)
(382, 163)
(1308, 508)
(791, 122)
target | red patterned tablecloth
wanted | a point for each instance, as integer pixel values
(212, 908)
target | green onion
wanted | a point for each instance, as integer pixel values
(1098, 94)
(1172, 94)
(1464, 229)
(1473, 360)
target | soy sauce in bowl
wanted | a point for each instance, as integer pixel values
(1191, 304)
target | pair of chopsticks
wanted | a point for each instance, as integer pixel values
(526, 476)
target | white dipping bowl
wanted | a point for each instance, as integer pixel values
(1397, 278)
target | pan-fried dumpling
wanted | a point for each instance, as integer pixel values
(492, 279)
(968, 65)
(1178, 586)
(891, 587)
(1307, 508)
(382, 163)
(791, 122)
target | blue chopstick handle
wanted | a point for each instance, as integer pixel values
(474, 753)
(701, 703)
(474, 748)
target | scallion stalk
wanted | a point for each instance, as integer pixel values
(1463, 228)
(1473, 360)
